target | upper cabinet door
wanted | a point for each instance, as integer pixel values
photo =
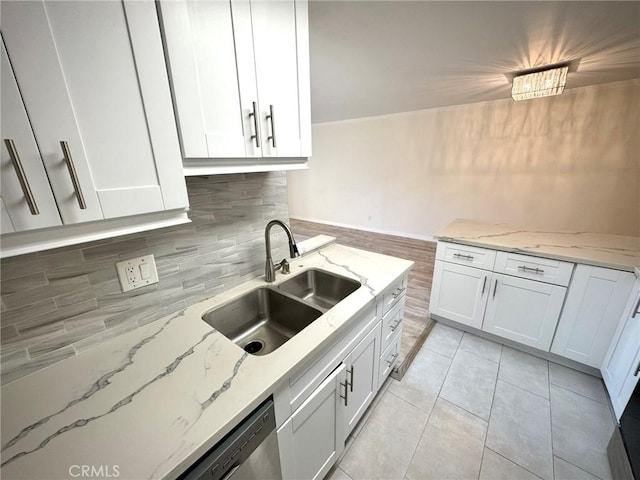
(276, 57)
(36, 59)
(213, 119)
(94, 84)
(27, 199)
(240, 78)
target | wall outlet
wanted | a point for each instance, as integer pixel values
(137, 272)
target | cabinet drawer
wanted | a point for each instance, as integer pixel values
(534, 268)
(394, 294)
(391, 322)
(389, 357)
(466, 255)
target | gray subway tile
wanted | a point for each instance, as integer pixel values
(53, 289)
(22, 283)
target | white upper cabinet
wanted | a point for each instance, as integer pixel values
(93, 82)
(240, 77)
(28, 202)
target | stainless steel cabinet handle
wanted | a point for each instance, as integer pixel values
(350, 372)
(393, 359)
(460, 255)
(273, 127)
(22, 177)
(635, 310)
(346, 393)
(495, 288)
(254, 114)
(524, 268)
(395, 325)
(484, 284)
(398, 292)
(73, 174)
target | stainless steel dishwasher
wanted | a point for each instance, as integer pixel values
(249, 451)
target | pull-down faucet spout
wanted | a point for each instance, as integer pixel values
(270, 270)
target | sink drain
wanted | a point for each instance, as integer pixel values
(254, 346)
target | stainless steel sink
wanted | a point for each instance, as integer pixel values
(262, 320)
(320, 288)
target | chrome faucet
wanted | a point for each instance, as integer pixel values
(270, 269)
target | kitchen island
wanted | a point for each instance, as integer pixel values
(149, 403)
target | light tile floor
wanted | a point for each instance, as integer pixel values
(469, 408)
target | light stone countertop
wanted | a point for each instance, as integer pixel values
(152, 401)
(611, 251)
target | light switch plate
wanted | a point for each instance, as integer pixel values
(137, 272)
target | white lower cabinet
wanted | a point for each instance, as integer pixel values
(595, 302)
(459, 293)
(523, 304)
(523, 310)
(318, 407)
(362, 377)
(621, 366)
(312, 439)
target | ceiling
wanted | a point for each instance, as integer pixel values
(378, 57)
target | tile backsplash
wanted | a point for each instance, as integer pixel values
(60, 302)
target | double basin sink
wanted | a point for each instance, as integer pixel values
(265, 318)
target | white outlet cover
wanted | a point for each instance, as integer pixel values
(130, 273)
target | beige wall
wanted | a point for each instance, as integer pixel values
(570, 162)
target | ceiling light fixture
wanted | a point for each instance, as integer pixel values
(539, 83)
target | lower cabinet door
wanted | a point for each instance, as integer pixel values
(621, 366)
(595, 302)
(312, 439)
(362, 377)
(523, 310)
(459, 293)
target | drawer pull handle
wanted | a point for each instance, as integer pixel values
(22, 176)
(73, 174)
(635, 310)
(398, 292)
(395, 325)
(272, 119)
(637, 370)
(254, 114)
(484, 284)
(393, 359)
(537, 270)
(346, 393)
(461, 255)
(495, 288)
(350, 382)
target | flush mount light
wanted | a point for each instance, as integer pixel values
(539, 83)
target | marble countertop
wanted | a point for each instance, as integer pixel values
(149, 403)
(612, 251)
